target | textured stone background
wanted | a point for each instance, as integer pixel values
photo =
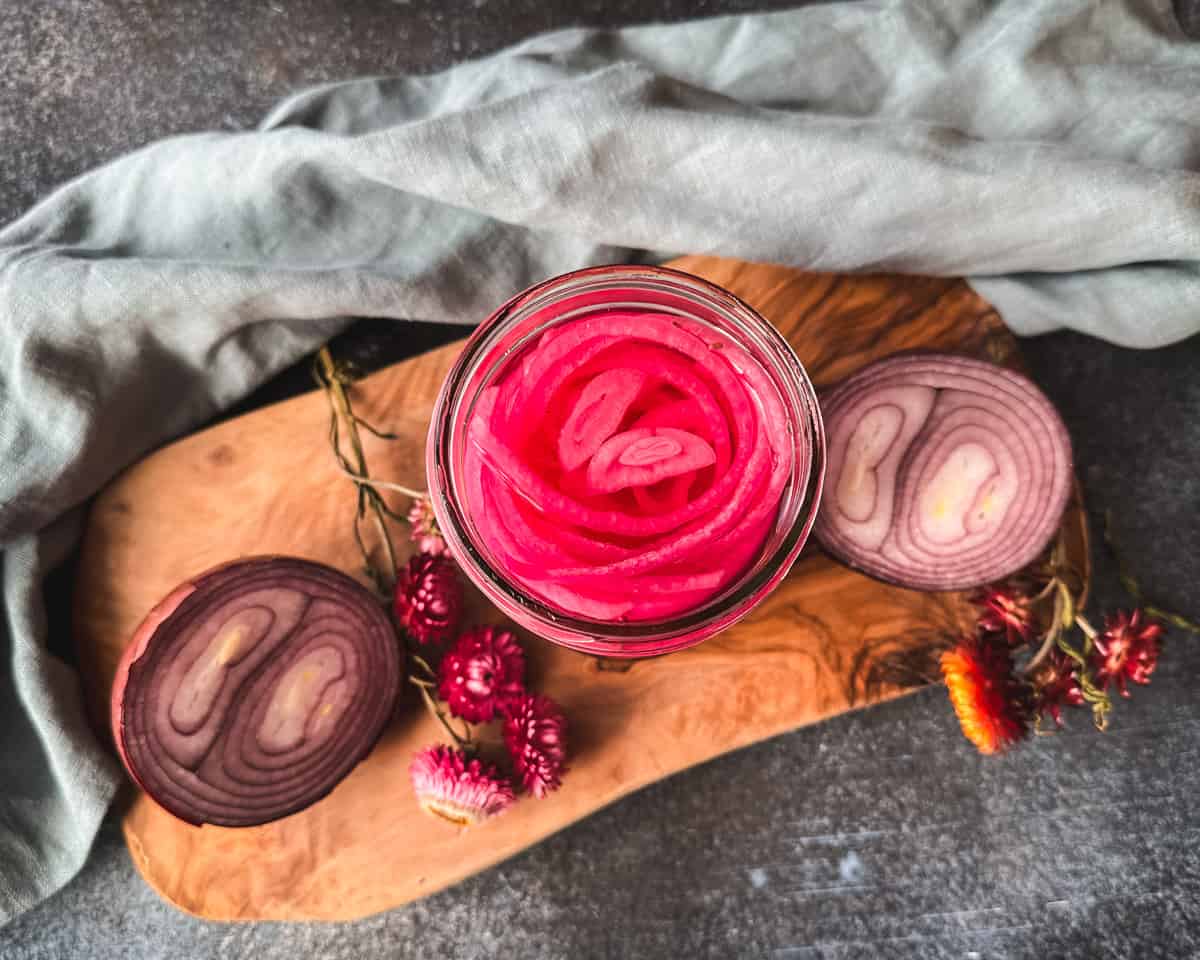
(880, 834)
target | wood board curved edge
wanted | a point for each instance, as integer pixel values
(697, 726)
(836, 654)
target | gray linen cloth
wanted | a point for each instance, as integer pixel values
(1048, 149)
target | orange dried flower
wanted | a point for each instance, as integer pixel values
(986, 696)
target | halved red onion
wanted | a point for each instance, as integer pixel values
(250, 692)
(944, 472)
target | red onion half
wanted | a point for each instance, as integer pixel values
(944, 472)
(250, 692)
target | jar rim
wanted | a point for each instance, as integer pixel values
(636, 637)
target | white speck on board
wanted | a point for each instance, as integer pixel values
(758, 878)
(851, 868)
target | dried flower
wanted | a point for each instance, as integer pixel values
(986, 696)
(429, 598)
(1057, 684)
(535, 733)
(425, 532)
(483, 672)
(463, 791)
(1128, 649)
(1006, 610)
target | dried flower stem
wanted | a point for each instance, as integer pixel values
(1062, 617)
(1043, 651)
(1134, 589)
(1065, 616)
(342, 418)
(463, 740)
(341, 411)
(1051, 585)
(366, 481)
(1060, 575)
(430, 673)
(1096, 696)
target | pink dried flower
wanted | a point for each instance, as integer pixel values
(425, 533)
(1007, 611)
(429, 598)
(463, 791)
(535, 733)
(483, 672)
(1056, 681)
(1128, 649)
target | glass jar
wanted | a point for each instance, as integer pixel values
(501, 343)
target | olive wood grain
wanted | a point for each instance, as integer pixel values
(828, 640)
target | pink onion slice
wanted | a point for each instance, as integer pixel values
(251, 691)
(607, 465)
(944, 472)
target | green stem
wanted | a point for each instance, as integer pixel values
(423, 664)
(463, 741)
(1134, 589)
(1042, 594)
(342, 410)
(1098, 698)
(1043, 651)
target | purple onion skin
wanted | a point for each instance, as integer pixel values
(944, 472)
(251, 691)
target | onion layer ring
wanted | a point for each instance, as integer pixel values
(251, 691)
(945, 472)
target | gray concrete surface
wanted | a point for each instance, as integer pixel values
(881, 834)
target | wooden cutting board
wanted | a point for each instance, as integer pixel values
(828, 640)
